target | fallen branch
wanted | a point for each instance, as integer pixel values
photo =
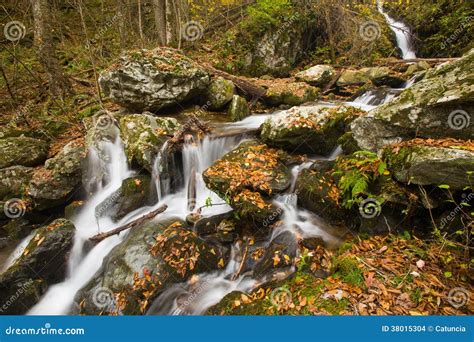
(178, 137)
(414, 60)
(241, 266)
(139, 221)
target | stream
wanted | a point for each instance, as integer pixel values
(188, 192)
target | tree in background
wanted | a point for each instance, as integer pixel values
(59, 84)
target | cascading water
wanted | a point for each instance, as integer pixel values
(402, 33)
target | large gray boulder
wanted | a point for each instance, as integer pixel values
(153, 79)
(308, 129)
(43, 263)
(318, 75)
(144, 135)
(22, 151)
(431, 165)
(14, 180)
(53, 184)
(439, 106)
(150, 259)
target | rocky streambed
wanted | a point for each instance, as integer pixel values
(246, 195)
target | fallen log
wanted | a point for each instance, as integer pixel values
(178, 137)
(250, 89)
(139, 221)
(414, 60)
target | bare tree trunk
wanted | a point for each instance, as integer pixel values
(59, 84)
(121, 10)
(140, 25)
(159, 9)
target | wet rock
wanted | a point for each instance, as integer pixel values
(22, 151)
(279, 254)
(417, 67)
(431, 165)
(220, 93)
(438, 106)
(43, 263)
(247, 176)
(318, 75)
(238, 108)
(13, 181)
(308, 129)
(135, 192)
(153, 79)
(209, 225)
(144, 135)
(149, 260)
(73, 209)
(54, 183)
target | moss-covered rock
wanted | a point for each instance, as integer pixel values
(153, 79)
(220, 93)
(13, 181)
(149, 260)
(379, 76)
(431, 165)
(144, 135)
(247, 176)
(134, 193)
(43, 263)
(52, 184)
(438, 106)
(308, 129)
(22, 151)
(238, 108)
(318, 75)
(289, 93)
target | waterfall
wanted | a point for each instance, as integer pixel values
(402, 33)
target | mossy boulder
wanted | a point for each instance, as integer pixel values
(238, 108)
(220, 93)
(22, 151)
(416, 68)
(43, 263)
(431, 165)
(153, 79)
(318, 75)
(150, 259)
(247, 176)
(144, 135)
(135, 192)
(289, 93)
(54, 183)
(308, 129)
(14, 180)
(439, 106)
(379, 76)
